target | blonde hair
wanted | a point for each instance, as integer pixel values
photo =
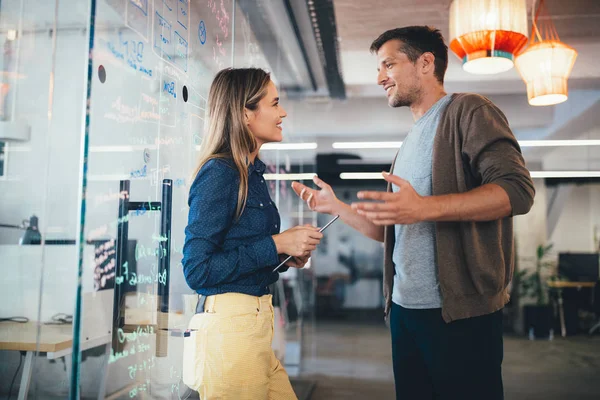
(233, 90)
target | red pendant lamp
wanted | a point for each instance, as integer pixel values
(487, 34)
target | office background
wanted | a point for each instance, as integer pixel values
(102, 110)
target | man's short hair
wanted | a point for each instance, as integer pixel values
(417, 40)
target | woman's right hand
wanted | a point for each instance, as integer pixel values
(323, 201)
(298, 241)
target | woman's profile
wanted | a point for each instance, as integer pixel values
(232, 243)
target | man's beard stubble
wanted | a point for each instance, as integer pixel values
(406, 100)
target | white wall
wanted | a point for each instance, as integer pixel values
(41, 173)
(581, 212)
(530, 229)
(575, 229)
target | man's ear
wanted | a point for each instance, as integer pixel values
(428, 62)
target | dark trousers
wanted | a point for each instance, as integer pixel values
(438, 360)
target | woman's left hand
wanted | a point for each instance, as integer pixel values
(295, 262)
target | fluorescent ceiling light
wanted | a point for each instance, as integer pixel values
(534, 174)
(289, 177)
(553, 143)
(361, 175)
(565, 174)
(288, 146)
(366, 145)
(522, 143)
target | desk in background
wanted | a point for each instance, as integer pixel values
(54, 340)
(559, 286)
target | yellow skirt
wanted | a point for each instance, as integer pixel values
(228, 353)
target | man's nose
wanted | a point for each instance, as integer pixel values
(381, 77)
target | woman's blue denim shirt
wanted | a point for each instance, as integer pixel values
(222, 254)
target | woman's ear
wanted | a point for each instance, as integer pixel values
(248, 116)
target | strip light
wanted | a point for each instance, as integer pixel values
(289, 177)
(289, 146)
(366, 145)
(565, 174)
(361, 175)
(522, 143)
(534, 174)
(557, 143)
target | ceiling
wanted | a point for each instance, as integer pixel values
(365, 116)
(359, 23)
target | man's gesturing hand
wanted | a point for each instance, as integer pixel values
(403, 207)
(323, 201)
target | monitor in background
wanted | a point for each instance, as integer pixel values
(579, 267)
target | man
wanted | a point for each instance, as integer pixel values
(446, 224)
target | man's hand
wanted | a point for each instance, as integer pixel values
(403, 207)
(323, 201)
(295, 262)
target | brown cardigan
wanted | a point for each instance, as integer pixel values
(473, 146)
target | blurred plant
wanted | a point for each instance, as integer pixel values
(533, 283)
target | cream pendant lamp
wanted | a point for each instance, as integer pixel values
(487, 34)
(546, 64)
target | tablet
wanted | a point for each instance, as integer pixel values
(320, 230)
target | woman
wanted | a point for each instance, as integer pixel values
(233, 243)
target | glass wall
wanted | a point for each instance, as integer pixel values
(102, 114)
(294, 291)
(42, 97)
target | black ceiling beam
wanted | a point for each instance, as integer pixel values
(265, 35)
(322, 16)
(294, 23)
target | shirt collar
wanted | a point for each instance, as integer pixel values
(257, 166)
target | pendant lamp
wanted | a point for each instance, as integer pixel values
(487, 34)
(546, 64)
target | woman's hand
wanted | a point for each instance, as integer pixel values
(323, 201)
(295, 262)
(298, 241)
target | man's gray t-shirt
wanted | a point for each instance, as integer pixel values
(416, 283)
